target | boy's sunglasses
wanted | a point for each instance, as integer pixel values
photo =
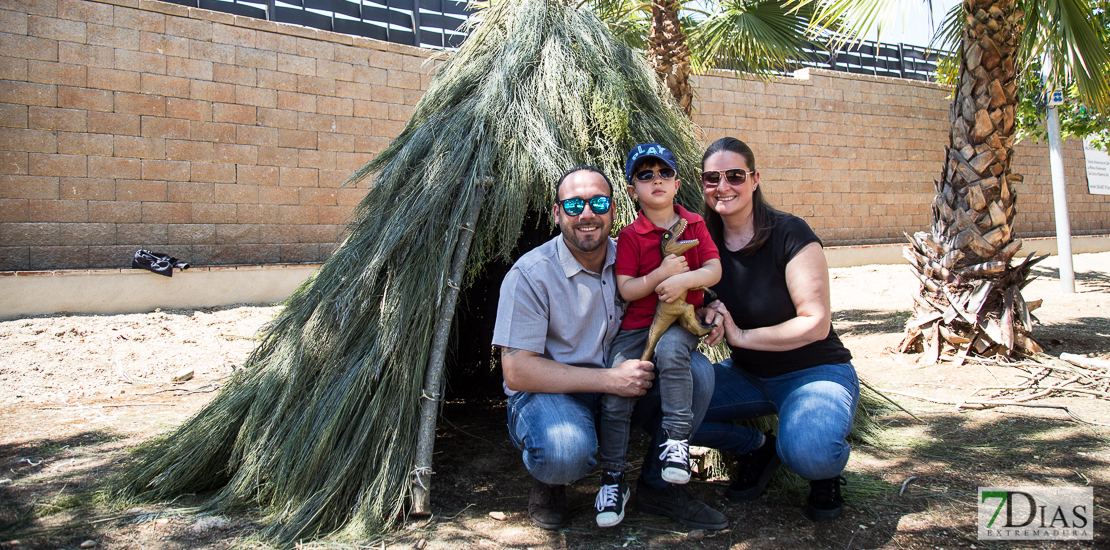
(737, 176)
(573, 207)
(649, 175)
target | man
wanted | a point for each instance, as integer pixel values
(558, 312)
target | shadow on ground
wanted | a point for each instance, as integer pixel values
(864, 322)
(51, 502)
(1097, 281)
(950, 456)
(27, 466)
(478, 473)
(1083, 335)
(1080, 335)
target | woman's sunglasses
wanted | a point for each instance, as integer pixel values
(712, 178)
(573, 207)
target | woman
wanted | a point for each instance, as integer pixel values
(786, 359)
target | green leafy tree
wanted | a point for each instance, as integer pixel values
(970, 294)
(1076, 118)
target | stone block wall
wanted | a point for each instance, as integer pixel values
(224, 140)
(857, 155)
(214, 138)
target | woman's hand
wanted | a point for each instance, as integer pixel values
(807, 280)
(717, 313)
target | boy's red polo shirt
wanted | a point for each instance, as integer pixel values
(638, 254)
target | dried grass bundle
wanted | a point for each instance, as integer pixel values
(320, 428)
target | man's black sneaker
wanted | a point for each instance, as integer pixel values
(673, 501)
(824, 502)
(611, 498)
(754, 471)
(547, 506)
(676, 461)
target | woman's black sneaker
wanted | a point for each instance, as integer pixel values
(674, 502)
(824, 502)
(754, 471)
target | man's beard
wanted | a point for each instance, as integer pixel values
(588, 244)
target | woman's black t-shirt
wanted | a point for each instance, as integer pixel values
(753, 288)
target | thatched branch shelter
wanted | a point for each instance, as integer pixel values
(320, 428)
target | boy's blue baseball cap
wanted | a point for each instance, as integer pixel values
(648, 150)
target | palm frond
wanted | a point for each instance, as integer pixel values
(860, 17)
(949, 36)
(948, 33)
(758, 37)
(1067, 34)
(626, 19)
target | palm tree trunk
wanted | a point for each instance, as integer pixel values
(970, 291)
(668, 53)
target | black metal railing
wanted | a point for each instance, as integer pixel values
(871, 58)
(424, 23)
(435, 24)
(877, 59)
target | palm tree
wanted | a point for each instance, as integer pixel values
(970, 295)
(668, 54)
(757, 37)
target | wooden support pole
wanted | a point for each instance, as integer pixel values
(433, 375)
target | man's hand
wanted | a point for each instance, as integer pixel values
(528, 371)
(631, 378)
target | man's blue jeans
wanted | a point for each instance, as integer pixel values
(816, 407)
(557, 434)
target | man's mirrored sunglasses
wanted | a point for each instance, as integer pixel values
(573, 207)
(737, 176)
(649, 175)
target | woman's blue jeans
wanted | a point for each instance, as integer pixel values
(557, 433)
(816, 407)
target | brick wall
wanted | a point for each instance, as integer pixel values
(857, 155)
(224, 140)
(215, 138)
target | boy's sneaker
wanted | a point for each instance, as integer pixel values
(547, 505)
(611, 499)
(754, 471)
(824, 502)
(676, 461)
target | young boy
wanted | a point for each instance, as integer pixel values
(643, 276)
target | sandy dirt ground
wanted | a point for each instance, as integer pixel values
(76, 391)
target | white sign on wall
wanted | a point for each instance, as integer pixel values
(1098, 169)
